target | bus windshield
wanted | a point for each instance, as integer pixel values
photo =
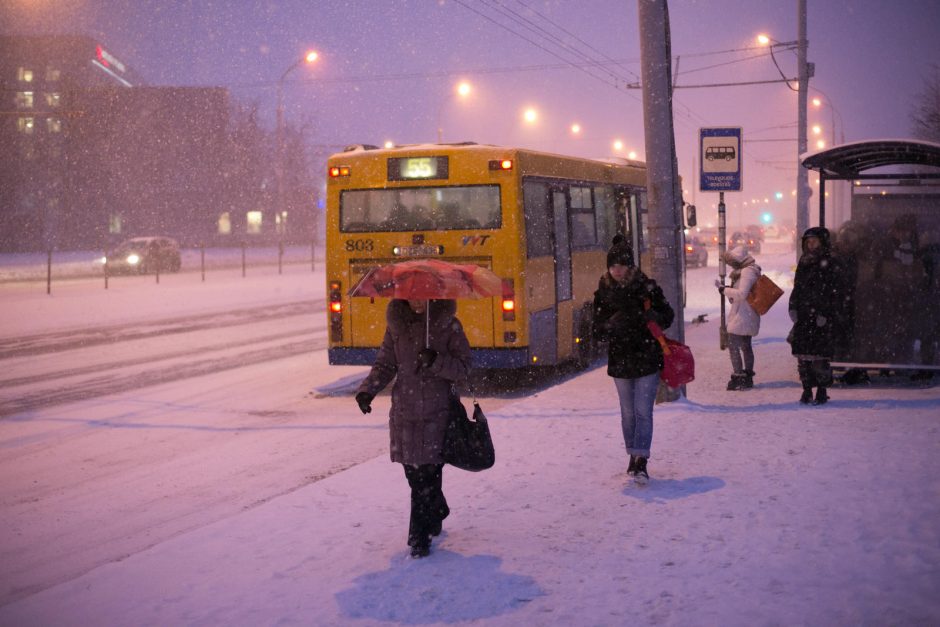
(420, 209)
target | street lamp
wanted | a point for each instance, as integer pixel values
(463, 90)
(838, 186)
(309, 57)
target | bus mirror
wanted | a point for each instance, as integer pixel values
(690, 215)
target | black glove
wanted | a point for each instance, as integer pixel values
(426, 357)
(365, 402)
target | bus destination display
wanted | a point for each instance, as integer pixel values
(416, 168)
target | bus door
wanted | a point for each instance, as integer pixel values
(563, 310)
(562, 246)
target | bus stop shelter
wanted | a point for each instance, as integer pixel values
(890, 252)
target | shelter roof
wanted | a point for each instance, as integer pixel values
(847, 161)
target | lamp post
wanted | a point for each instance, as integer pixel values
(805, 72)
(838, 186)
(463, 89)
(309, 57)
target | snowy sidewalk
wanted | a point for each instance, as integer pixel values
(760, 511)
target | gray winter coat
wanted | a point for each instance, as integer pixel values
(420, 399)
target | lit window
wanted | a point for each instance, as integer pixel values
(280, 222)
(25, 75)
(253, 219)
(26, 125)
(53, 73)
(225, 224)
(54, 125)
(54, 99)
(24, 100)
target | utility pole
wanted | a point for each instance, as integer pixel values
(802, 174)
(662, 178)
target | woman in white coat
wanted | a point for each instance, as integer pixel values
(743, 322)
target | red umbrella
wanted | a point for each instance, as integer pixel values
(425, 279)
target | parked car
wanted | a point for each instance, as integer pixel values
(708, 236)
(755, 232)
(145, 255)
(744, 239)
(696, 254)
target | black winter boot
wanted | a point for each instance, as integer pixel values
(807, 397)
(821, 396)
(641, 477)
(737, 382)
(631, 469)
(748, 379)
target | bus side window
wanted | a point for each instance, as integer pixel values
(538, 218)
(605, 204)
(583, 223)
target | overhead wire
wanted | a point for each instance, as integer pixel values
(537, 44)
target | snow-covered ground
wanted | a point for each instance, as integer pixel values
(761, 511)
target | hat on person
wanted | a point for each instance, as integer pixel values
(620, 253)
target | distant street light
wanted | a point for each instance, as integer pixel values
(309, 57)
(575, 129)
(530, 115)
(463, 89)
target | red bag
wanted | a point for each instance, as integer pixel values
(679, 367)
(678, 363)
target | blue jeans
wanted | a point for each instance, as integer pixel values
(637, 397)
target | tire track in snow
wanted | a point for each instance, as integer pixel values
(56, 341)
(108, 384)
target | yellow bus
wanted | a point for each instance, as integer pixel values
(542, 222)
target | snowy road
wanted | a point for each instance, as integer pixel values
(133, 428)
(120, 358)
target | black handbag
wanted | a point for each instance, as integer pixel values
(467, 443)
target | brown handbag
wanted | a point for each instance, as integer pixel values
(763, 295)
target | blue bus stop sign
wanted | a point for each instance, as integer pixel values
(720, 158)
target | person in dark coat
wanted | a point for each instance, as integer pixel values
(427, 353)
(625, 300)
(816, 308)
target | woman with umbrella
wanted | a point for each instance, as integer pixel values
(427, 353)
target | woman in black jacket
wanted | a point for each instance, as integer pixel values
(817, 310)
(625, 301)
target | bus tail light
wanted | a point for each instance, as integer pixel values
(336, 311)
(500, 164)
(509, 300)
(339, 170)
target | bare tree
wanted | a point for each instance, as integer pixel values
(925, 114)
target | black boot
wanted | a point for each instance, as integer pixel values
(821, 396)
(631, 469)
(437, 523)
(807, 397)
(422, 549)
(737, 382)
(748, 379)
(641, 477)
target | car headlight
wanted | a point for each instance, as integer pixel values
(133, 259)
